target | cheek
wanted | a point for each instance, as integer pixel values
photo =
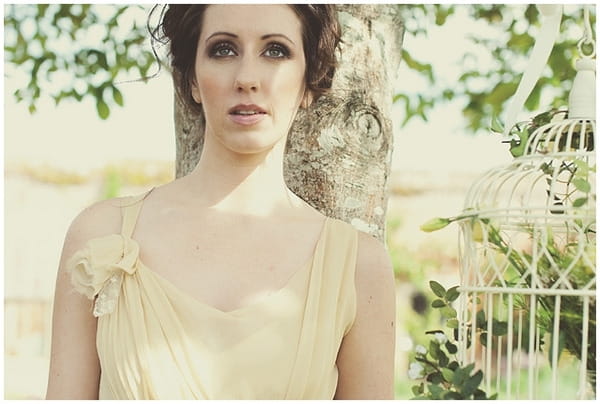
(292, 84)
(208, 87)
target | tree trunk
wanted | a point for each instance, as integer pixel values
(339, 151)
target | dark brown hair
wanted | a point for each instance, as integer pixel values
(179, 27)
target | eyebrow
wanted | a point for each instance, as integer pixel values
(267, 36)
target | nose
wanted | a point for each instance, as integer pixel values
(247, 79)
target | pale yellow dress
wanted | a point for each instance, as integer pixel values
(156, 342)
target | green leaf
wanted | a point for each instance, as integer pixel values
(517, 147)
(435, 224)
(102, 108)
(499, 327)
(398, 97)
(453, 395)
(443, 359)
(579, 202)
(480, 395)
(582, 166)
(472, 383)
(448, 312)
(447, 374)
(501, 92)
(441, 14)
(469, 368)
(117, 96)
(496, 125)
(460, 375)
(483, 338)
(434, 350)
(438, 289)
(582, 184)
(480, 319)
(452, 349)
(416, 390)
(452, 323)
(435, 390)
(452, 294)
(438, 303)
(424, 68)
(435, 378)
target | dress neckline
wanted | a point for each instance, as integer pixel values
(130, 217)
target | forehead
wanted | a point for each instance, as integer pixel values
(245, 19)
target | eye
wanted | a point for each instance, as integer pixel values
(222, 49)
(276, 51)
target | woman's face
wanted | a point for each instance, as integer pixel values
(249, 75)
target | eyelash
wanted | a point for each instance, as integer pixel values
(228, 46)
(214, 50)
(285, 52)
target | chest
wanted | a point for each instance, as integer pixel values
(227, 263)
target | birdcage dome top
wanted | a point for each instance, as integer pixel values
(553, 177)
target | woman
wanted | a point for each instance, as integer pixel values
(223, 284)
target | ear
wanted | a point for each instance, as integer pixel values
(195, 92)
(307, 99)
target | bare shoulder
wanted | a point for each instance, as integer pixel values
(97, 220)
(74, 370)
(375, 282)
(366, 357)
(373, 263)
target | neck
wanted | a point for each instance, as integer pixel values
(250, 184)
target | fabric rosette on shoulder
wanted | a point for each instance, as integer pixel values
(97, 270)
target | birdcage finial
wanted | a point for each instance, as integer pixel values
(582, 98)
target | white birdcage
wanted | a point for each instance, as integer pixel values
(528, 258)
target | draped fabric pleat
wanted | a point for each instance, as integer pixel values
(156, 342)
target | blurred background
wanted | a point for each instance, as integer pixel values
(70, 141)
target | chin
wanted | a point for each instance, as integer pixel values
(252, 143)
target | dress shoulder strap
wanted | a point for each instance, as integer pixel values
(130, 210)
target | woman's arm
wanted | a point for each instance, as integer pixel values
(74, 365)
(366, 358)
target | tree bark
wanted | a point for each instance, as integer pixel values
(339, 151)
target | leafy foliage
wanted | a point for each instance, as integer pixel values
(484, 93)
(437, 367)
(565, 258)
(75, 51)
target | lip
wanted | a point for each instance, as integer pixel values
(247, 120)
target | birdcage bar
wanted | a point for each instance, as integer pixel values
(486, 350)
(473, 327)
(548, 134)
(584, 344)
(499, 351)
(555, 344)
(528, 252)
(492, 300)
(528, 214)
(532, 347)
(519, 351)
(509, 346)
(536, 357)
(539, 291)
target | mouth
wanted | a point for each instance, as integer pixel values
(247, 110)
(247, 115)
